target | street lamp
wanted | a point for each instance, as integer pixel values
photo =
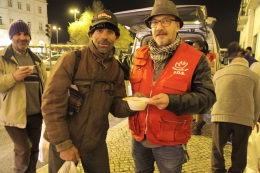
(75, 11)
(57, 32)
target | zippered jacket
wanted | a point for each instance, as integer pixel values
(101, 81)
(187, 81)
(13, 93)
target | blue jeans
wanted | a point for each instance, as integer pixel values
(169, 159)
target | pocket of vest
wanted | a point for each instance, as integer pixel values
(135, 83)
(175, 130)
(133, 123)
(173, 87)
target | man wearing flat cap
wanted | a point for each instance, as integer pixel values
(177, 79)
(22, 78)
(100, 81)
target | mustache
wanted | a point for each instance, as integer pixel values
(104, 42)
(23, 41)
(161, 32)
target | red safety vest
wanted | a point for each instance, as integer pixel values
(163, 127)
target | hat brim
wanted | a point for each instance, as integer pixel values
(148, 19)
(103, 21)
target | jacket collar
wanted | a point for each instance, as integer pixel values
(9, 53)
(240, 61)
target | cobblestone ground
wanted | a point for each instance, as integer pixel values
(199, 148)
(119, 146)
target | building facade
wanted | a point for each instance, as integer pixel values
(33, 12)
(249, 25)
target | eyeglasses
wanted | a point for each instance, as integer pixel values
(164, 22)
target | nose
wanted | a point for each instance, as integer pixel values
(22, 36)
(105, 33)
(159, 25)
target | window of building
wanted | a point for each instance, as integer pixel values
(10, 3)
(40, 26)
(19, 5)
(29, 24)
(28, 8)
(11, 20)
(40, 10)
(1, 20)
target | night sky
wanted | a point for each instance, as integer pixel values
(225, 11)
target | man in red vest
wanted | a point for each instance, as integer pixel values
(177, 79)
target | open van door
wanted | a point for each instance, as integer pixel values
(197, 26)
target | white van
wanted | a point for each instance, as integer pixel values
(197, 26)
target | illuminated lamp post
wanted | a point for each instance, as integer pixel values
(57, 32)
(75, 11)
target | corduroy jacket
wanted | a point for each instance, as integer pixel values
(13, 93)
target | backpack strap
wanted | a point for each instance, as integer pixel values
(78, 57)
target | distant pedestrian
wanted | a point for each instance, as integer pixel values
(199, 122)
(21, 88)
(249, 51)
(236, 111)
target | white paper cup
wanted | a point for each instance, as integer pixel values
(30, 67)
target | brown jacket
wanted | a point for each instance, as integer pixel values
(88, 128)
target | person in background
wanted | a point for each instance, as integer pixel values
(82, 136)
(236, 111)
(199, 122)
(177, 80)
(21, 88)
(249, 51)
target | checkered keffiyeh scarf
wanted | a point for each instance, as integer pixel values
(159, 55)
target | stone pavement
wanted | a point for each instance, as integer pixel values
(119, 146)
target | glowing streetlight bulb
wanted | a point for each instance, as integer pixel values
(57, 32)
(75, 11)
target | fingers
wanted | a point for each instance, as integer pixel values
(137, 94)
(21, 73)
(77, 157)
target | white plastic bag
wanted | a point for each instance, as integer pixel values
(43, 147)
(253, 152)
(68, 167)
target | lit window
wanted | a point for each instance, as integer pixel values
(19, 5)
(40, 26)
(28, 7)
(10, 3)
(40, 10)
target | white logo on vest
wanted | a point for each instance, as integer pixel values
(180, 68)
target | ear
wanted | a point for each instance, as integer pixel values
(117, 37)
(178, 25)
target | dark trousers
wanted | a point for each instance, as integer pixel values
(96, 161)
(221, 132)
(26, 144)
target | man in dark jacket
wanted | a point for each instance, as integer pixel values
(177, 79)
(99, 79)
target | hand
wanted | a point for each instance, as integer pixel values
(137, 94)
(70, 154)
(161, 101)
(21, 73)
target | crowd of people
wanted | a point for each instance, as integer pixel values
(175, 76)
